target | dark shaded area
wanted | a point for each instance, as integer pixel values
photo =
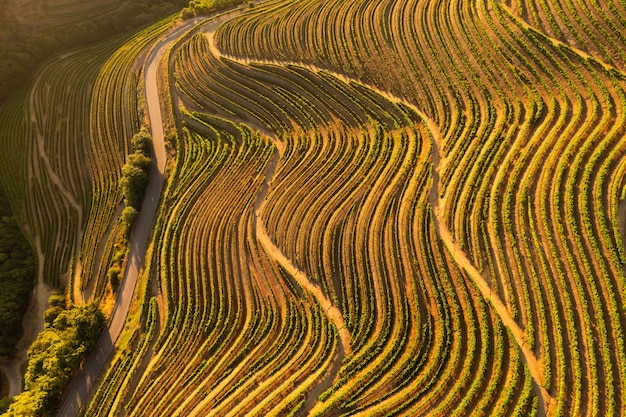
(5, 403)
(21, 52)
(17, 278)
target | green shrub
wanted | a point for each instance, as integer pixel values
(5, 403)
(136, 171)
(55, 356)
(114, 277)
(200, 7)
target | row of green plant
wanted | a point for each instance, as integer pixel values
(116, 112)
(571, 213)
(206, 312)
(355, 256)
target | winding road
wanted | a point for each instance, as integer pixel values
(12, 372)
(85, 381)
(105, 348)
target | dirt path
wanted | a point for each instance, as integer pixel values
(32, 325)
(33, 322)
(534, 364)
(560, 44)
(621, 218)
(39, 303)
(330, 310)
(77, 295)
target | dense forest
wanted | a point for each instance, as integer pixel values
(17, 278)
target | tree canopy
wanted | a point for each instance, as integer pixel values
(135, 173)
(198, 7)
(17, 278)
(23, 46)
(68, 337)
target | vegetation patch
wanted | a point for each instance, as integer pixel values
(135, 174)
(23, 47)
(200, 7)
(5, 403)
(133, 183)
(373, 208)
(17, 278)
(68, 338)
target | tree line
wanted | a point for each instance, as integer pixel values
(200, 7)
(70, 334)
(134, 181)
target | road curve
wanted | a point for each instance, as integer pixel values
(12, 372)
(86, 380)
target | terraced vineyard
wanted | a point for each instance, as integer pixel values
(370, 208)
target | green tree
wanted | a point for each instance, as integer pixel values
(135, 179)
(199, 7)
(114, 277)
(5, 402)
(55, 356)
(135, 173)
(142, 142)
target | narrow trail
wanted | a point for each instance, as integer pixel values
(77, 295)
(535, 365)
(330, 310)
(559, 43)
(33, 319)
(41, 148)
(621, 219)
(32, 325)
(12, 371)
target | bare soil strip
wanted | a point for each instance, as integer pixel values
(32, 324)
(77, 295)
(330, 310)
(534, 364)
(33, 319)
(560, 44)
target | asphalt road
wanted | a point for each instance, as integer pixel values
(85, 381)
(12, 372)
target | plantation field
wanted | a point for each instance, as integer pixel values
(368, 207)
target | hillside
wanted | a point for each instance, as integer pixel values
(357, 208)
